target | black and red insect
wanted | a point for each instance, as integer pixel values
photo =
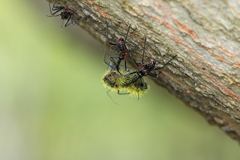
(146, 68)
(65, 14)
(121, 48)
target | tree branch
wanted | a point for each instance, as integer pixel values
(205, 36)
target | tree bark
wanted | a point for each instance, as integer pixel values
(205, 36)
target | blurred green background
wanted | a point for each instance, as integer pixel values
(53, 105)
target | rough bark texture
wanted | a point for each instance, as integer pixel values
(205, 36)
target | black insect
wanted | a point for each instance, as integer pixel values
(145, 69)
(65, 14)
(120, 47)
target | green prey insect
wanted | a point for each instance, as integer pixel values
(117, 82)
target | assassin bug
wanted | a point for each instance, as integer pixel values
(121, 48)
(114, 65)
(65, 13)
(145, 69)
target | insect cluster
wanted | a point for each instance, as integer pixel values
(131, 82)
(122, 82)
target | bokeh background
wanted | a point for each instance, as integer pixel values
(53, 105)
